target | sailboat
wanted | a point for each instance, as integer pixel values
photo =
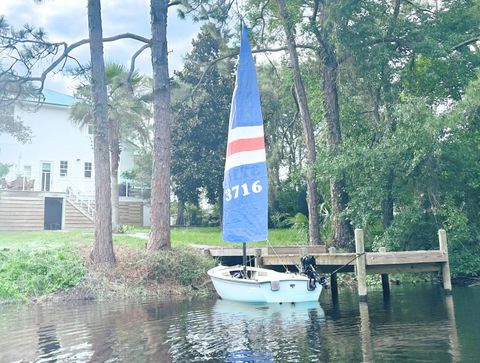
(245, 201)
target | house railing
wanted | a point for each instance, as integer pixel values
(87, 206)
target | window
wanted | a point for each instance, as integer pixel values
(63, 168)
(88, 170)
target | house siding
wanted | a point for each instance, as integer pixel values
(24, 211)
(131, 213)
(21, 212)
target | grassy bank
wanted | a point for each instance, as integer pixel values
(55, 265)
(136, 237)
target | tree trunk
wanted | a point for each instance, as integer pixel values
(273, 180)
(387, 202)
(160, 199)
(307, 127)
(180, 221)
(115, 161)
(103, 248)
(342, 229)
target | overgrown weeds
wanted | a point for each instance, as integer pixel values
(68, 275)
(30, 274)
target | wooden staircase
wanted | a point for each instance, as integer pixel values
(82, 204)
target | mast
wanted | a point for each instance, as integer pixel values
(245, 260)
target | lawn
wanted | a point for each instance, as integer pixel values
(137, 237)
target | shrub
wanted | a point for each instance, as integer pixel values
(187, 266)
(25, 274)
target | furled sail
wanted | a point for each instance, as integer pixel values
(245, 198)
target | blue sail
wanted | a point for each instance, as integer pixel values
(245, 197)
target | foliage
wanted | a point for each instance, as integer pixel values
(128, 103)
(11, 125)
(199, 131)
(26, 274)
(125, 228)
(186, 266)
(4, 169)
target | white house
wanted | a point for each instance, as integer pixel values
(56, 168)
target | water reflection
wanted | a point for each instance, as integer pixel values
(234, 332)
(365, 335)
(250, 356)
(418, 324)
(47, 343)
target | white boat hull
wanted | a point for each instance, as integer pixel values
(262, 286)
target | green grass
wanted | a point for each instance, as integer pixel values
(181, 237)
(184, 236)
(43, 240)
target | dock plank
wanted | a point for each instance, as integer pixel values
(395, 258)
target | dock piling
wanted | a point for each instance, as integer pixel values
(385, 281)
(442, 241)
(334, 287)
(360, 266)
(258, 257)
(333, 279)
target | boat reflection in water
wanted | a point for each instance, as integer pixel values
(296, 314)
(240, 332)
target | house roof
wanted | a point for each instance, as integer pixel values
(57, 98)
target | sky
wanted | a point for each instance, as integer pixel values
(66, 20)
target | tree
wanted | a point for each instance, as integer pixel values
(201, 121)
(307, 125)
(129, 111)
(103, 247)
(160, 197)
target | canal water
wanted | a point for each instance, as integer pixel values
(417, 324)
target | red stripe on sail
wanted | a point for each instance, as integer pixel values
(240, 145)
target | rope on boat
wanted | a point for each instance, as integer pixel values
(353, 259)
(276, 255)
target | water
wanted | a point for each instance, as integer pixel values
(418, 324)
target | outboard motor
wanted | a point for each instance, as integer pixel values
(308, 268)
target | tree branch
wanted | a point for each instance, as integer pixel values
(234, 54)
(67, 49)
(466, 42)
(173, 3)
(425, 10)
(133, 59)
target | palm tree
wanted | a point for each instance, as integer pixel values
(128, 118)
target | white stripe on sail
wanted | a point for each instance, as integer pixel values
(245, 157)
(245, 132)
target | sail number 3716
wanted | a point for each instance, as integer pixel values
(242, 190)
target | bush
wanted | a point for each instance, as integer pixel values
(25, 274)
(187, 266)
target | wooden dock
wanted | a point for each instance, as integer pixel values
(382, 262)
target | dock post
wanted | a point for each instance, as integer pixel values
(361, 269)
(385, 283)
(385, 286)
(258, 257)
(334, 287)
(333, 279)
(447, 282)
